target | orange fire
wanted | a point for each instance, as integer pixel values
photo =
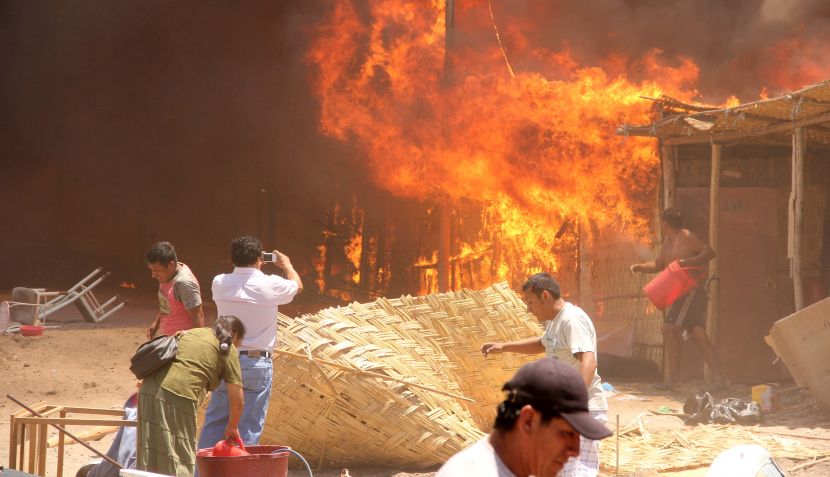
(526, 133)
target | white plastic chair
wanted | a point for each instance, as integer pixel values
(48, 302)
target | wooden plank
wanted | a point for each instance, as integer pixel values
(796, 213)
(74, 421)
(583, 268)
(22, 439)
(92, 434)
(94, 410)
(713, 305)
(444, 245)
(668, 155)
(32, 431)
(41, 450)
(12, 443)
(61, 447)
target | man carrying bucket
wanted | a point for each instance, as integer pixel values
(686, 313)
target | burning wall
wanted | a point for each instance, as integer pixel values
(506, 114)
(109, 120)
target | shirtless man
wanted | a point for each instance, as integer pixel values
(688, 313)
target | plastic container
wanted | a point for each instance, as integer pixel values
(31, 330)
(226, 448)
(262, 461)
(670, 284)
(764, 395)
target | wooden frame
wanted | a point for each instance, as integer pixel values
(28, 434)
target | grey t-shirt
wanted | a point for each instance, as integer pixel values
(186, 287)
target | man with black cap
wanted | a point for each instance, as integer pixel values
(537, 426)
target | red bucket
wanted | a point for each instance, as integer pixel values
(31, 330)
(670, 284)
(262, 461)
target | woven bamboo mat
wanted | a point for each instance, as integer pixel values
(330, 404)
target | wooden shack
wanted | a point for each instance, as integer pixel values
(753, 180)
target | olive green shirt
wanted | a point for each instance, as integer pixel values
(199, 367)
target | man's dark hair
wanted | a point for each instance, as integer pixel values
(673, 217)
(508, 413)
(245, 250)
(161, 253)
(543, 282)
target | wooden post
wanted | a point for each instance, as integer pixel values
(668, 155)
(712, 311)
(12, 442)
(61, 446)
(583, 269)
(42, 436)
(444, 240)
(32, 432)
(668, 199)
(444, 225)
(21, 440)
(796, 215)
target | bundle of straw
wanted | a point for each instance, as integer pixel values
(689, 448)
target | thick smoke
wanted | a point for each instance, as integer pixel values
(741, 46)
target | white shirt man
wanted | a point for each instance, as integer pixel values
(253, 297)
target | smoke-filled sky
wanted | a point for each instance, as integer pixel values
(741, 46)
(131, 121)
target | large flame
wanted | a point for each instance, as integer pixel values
(533, 142)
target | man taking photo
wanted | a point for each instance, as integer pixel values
(253, 297)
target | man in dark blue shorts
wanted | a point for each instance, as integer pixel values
(687, 315)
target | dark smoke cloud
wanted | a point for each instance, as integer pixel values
(128, 122)
(124, 122)
(740, 45)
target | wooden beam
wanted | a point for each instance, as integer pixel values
(61, 446)
(73, 421)
(730, 136)
(668, 155)
(444, 224)
(713, 305)
(796, 215)
(583, 267)
(41, 450)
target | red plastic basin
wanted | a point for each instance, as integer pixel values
(261, 462)
(30, 330)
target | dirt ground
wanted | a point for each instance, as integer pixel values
(84, 364)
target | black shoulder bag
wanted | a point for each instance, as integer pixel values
(153, 354)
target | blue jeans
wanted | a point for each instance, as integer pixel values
(256, 384)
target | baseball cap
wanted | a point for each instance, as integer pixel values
(554, 387)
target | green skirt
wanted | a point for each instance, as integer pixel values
(166, 430)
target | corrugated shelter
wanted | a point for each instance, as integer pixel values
(752, 180)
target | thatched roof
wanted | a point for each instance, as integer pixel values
(769, 120)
